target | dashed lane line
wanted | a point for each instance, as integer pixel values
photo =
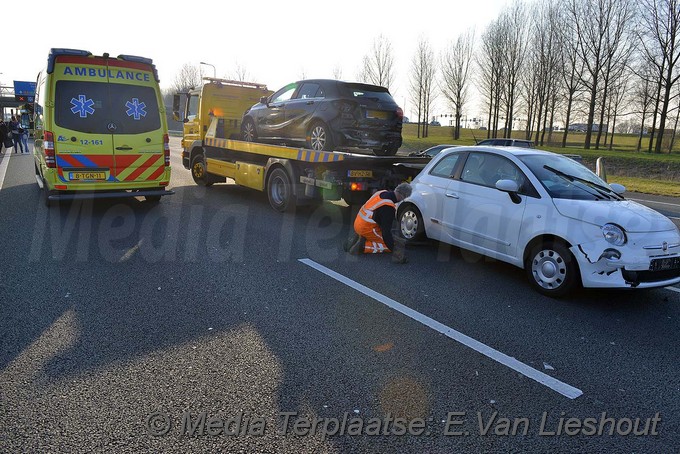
(508, 361)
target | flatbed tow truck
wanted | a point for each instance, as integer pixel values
(290, 176)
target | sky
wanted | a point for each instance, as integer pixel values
(277, 42)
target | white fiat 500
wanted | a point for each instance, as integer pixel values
(545, 213)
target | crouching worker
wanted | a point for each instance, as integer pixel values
(373, 224)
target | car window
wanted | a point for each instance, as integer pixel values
(444, 168)
(90, 107)
(487, 169)
(310, 90)
(558, 187)
(284, 94)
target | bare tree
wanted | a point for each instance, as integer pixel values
(601, 29)
(514, 29)
(422, 84)
(660, 33)
(571, 68)
(643, 96)
(189, 76)
(491, 73)
(337, 72)
(240, 73)
(378, 64)
(455, 64)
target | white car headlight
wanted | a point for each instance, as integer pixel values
(614, 234)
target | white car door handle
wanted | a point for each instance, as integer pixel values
(453, 195)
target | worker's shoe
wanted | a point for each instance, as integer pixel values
(353, 238)
(358, 247)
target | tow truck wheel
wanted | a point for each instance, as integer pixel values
(319, 137)
(199, 172)
(280, 190)
(248, 132)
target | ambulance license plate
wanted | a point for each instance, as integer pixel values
(360, 173)
(87, 176)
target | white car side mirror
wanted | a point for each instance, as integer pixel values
(618, 188)
(507, 186)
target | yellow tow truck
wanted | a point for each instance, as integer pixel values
(290, 176)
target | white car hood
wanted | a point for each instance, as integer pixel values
(632, 216)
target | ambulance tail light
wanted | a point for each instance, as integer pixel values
(358, 186)
(48, 145)
(166, 149)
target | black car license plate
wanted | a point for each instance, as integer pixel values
(668, 263)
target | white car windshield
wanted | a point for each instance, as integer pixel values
(565, 178)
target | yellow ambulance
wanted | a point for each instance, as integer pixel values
(100, 128)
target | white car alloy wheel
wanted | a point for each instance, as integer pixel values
(409, 223)
(552, 269)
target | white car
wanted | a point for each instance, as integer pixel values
(545, 213)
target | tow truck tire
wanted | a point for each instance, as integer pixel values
(280, 190)
(248, 132)
(199, 171)
(319, 137)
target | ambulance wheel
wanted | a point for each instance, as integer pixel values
(280, 190)
(199, 172)
(319, 137)
(248, 132)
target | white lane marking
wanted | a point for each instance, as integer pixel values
(544, 379)
(673, 289)
(654, 201)
(4, 165)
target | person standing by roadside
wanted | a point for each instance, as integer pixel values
(3, 134)
(24, 139)
(14, 132)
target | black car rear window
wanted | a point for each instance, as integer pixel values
(373, 92)
(93, 107)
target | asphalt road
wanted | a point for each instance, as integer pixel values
(119, 317)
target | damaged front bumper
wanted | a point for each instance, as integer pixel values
(648, 261)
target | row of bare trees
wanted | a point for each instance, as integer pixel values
(550, 61)
(544, 62)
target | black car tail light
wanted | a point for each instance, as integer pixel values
(400, 113)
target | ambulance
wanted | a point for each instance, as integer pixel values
(100, 128)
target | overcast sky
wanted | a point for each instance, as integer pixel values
(275, 41)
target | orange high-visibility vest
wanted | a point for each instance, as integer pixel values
(365, 226)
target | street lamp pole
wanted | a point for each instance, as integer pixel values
(213, 67)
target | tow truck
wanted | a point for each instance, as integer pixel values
(290, 176)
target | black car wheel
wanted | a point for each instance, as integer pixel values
(248, 132)
(411, 222)
(319, 138)
(552, 269)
